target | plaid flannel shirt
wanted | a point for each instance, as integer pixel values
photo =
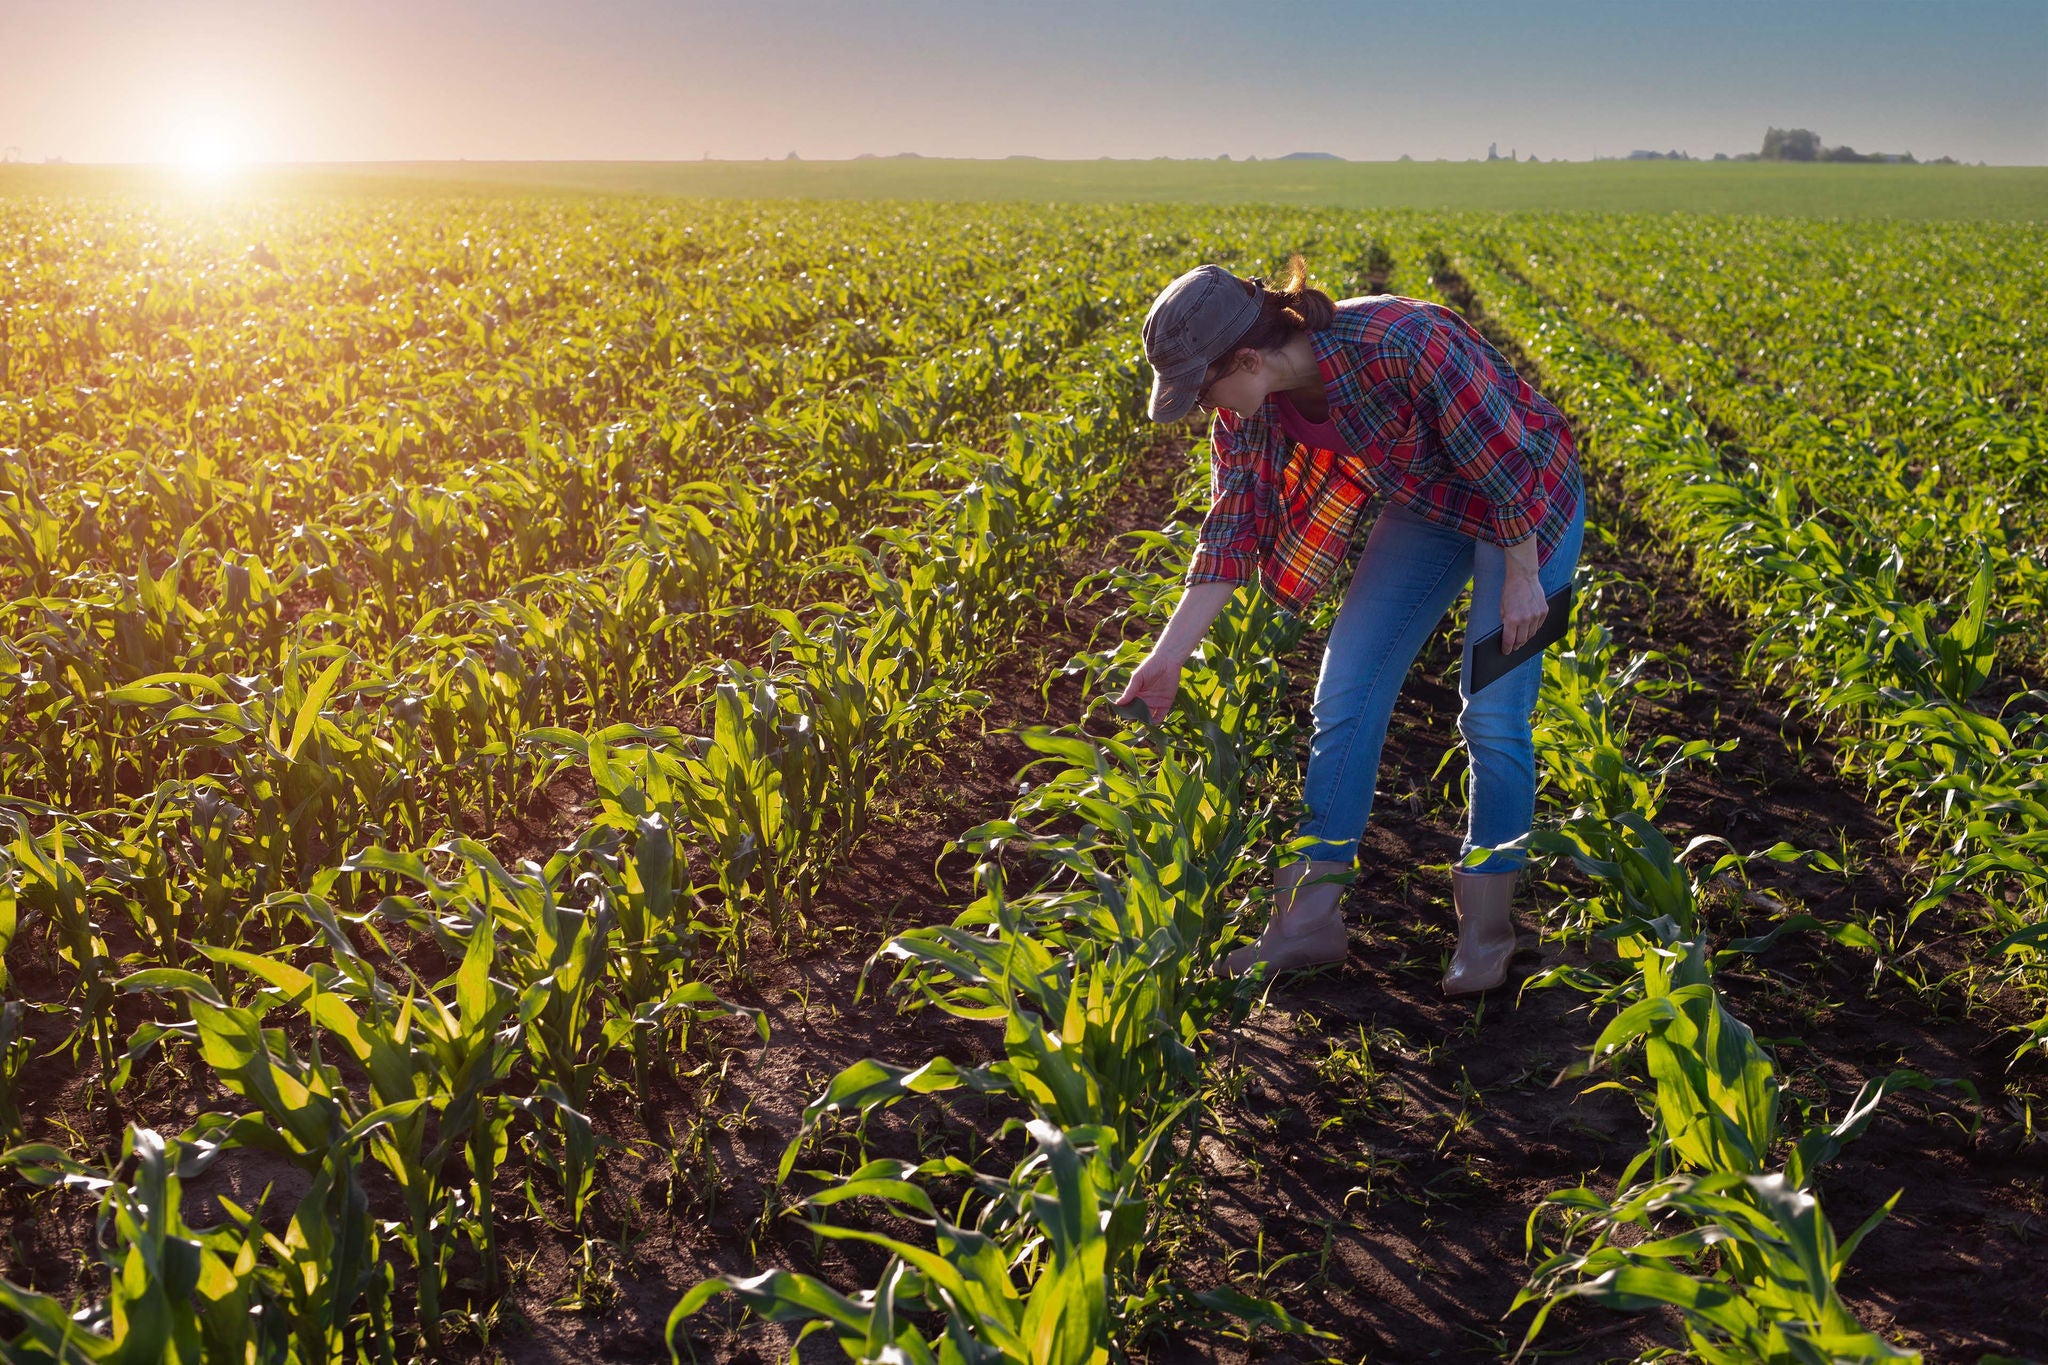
(1437, 420)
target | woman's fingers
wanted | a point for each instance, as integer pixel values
(1522, 612)
(1152, 683)
(1516, 633)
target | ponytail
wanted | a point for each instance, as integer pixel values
(1311, 310)
(1292, 308)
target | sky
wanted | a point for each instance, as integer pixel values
(375, 80)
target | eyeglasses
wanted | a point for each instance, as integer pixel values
(1229, 362)
(1212, 379)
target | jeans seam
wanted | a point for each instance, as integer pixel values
(1344, 763)
(1466, 844)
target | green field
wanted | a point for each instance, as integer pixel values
(558, 800)
(1995, 193)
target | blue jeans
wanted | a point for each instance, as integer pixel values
(1409, 573)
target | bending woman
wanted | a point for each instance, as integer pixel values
(1320, 409)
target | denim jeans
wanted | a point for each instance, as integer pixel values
(1409, 573)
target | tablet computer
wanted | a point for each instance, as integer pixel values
(1489, 663)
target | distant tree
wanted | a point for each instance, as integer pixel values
(1791, 144)
(1801, 144)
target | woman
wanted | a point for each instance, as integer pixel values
(1320, 408)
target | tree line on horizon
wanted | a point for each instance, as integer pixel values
(1803, 144)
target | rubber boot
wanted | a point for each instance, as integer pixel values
(1307, 928)
(1486, 930)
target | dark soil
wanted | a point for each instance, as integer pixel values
(1384, 1147)
(1373, 1150)
(1395, 1141)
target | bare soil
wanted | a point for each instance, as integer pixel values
(1395, 1141)
(1373, 1150)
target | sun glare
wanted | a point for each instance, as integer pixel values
(208, 154)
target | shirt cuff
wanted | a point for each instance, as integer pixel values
(1221, 566)
(1516, 523)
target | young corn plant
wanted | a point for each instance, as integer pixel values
(1740, 1250)
(1027, 1283)
(175, 1293)
(50, 885)
(329, 1258)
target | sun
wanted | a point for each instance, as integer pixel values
(209, 152)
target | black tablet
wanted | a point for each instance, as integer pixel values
(1488, 663)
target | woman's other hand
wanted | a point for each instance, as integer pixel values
(1155, 682)
(1522, 605)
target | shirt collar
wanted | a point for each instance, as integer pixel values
(1327, 346)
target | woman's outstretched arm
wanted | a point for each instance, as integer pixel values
(1156, 680)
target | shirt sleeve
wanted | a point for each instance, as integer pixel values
(1461, 396)
(1227, 544)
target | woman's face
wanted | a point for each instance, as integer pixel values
(1236, 382)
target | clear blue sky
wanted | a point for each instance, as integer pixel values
(129, 80)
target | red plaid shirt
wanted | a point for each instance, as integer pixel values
(1436, 419)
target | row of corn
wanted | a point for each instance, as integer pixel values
(557, 968)
(1134, 851)
(1718, 1216)
(1899, 669)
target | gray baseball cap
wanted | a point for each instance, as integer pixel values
(1193, 323)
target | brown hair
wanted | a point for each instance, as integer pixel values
(1293, 307)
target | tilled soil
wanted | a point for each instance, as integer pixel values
(686, 1201)
(1394, 1142)
(1372, 1150)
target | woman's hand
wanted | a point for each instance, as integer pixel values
(1156, 681)
(1522, 605)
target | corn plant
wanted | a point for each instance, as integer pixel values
(176, 1293)
(1070, 1206)
(54, 887)
(1742, 1251)
(304, 1114)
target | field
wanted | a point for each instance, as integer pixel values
(2015, 194)
(557, 800)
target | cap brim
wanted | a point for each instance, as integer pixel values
(1174, 396)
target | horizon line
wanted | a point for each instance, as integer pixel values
(1296, 159)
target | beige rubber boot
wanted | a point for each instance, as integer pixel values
(1486, 930)
(1307, 928)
